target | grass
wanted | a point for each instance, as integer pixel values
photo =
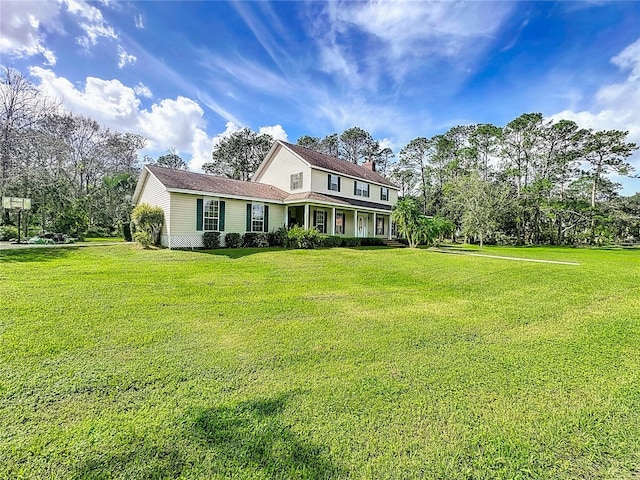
(102, 239)
(342, 363)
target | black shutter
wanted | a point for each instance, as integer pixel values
(248, 217)
(368, 188)
(338, 183)
(199, 210)
(315, 216)
(221, 206)
(381, 193)
(355, 187)
(329, 181)
(266, 218)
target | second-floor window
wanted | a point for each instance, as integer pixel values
(296, 181)
(334, 182)
(384, 193)
(361, 189)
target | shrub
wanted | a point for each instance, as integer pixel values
(277, 238)
(350, 242)
(143, 238)
(7, 232)
(331, 241)
(232, 240)
(211, 240)
(298, 237)
(148, 218)
(253, 240)
(371, 242)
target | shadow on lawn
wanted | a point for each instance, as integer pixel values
(35, 254)
(251, 436)
(234, 253)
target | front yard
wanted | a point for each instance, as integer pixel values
(337, 363)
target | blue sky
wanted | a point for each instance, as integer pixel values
(184, 74)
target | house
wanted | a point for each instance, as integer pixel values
(293, 186)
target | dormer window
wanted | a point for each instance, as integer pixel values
(361, 189)
(296, 181)
(334, 182)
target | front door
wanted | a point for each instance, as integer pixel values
(362, 224)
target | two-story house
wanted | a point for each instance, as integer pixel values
(293, 186)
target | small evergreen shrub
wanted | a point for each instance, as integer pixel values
(8, 232)
(255, 240)
(211, 240)
(351, 242)
(232, 240)
(371, 242)
(277, 238)
(331, 241)
(148, 218)
(298, 237)
(143, 238)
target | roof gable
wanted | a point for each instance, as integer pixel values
(327, 162)
(203, 182)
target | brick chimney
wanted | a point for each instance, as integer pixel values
(370, 164)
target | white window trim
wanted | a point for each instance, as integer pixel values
(253, 220)
(333, 176)
(296, 181)
(214, 218)
(361, 188)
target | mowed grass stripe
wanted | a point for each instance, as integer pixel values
(342, 363)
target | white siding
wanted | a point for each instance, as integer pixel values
(154, 193)
(320, 184)
(281, 166)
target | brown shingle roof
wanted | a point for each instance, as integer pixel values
(202, 182)
(328, 162)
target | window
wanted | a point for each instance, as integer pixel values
(211, 215)
(319, 221)
(257, 217)
(384, 193)
(379, 225)
(339, 223)
(296, 181)
(334, 182)
(361, 189)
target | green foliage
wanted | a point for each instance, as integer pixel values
(143, 238)
(8, 232)
(149, 219)
(289, 364)
(255, 240)
(239, 155)
(211, 240)
(330, 241)
(371, 242)
(278, 238)
(232, 240)
(350, 242)
(304, 238)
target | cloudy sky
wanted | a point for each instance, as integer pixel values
(183, 74)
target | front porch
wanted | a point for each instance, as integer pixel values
(340, 221)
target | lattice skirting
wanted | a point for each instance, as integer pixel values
(182, 241)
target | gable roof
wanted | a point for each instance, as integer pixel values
(205, 183)
(327, 162)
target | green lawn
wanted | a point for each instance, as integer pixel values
(342, 363)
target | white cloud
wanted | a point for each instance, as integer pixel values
(276, 131)
(142, 90)
(125, 58)
(615, 106)
(23, 30)
(92, 22)
(178, 123)
(139, 21)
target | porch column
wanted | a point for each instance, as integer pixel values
(355, 223)
(375, 225)
(286, 216)
(389, 231)
(333, 220)
(306, 215)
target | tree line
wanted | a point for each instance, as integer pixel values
(531, 181)
(78, 174)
